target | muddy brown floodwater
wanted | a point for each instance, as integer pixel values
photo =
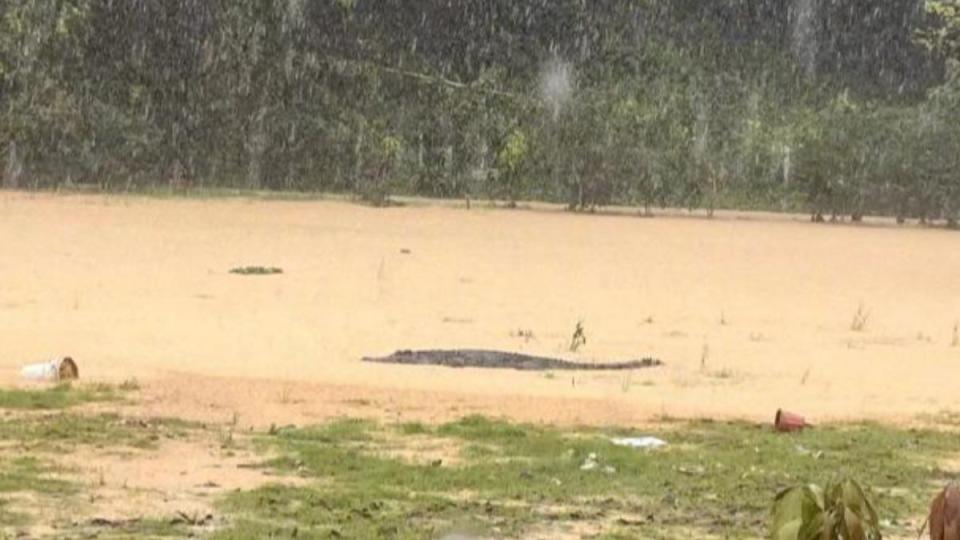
(748, 315)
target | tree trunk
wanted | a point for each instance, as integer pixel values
(358, 161)
(256, 148)
(805, 34)
(13, 169)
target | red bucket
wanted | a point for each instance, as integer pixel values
(787, 422)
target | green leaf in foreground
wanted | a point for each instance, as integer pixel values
(841, 511)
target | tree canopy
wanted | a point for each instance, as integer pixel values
(841, 108)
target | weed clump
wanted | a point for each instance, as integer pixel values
(61, 396)
(860, 319)
(579, 337)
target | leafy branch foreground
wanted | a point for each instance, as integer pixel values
(840, 511)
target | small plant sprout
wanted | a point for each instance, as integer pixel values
(579, 337)
(226, 439)
(955, 342)
(524, 334)
(704, 355)
(723, 318)
(860, 319)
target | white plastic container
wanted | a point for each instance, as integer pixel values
(640, 442)
(58, 369)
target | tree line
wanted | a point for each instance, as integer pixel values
(840, 108)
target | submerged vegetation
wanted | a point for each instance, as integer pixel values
(840, 109)
(256, 270)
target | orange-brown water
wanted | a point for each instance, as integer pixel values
(747, 315)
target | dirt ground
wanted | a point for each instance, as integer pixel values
(748, 315)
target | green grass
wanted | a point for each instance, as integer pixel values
(341, 431)
(28, 473)
(31, 445)
(777, 201)
(61, 432)
(139, 528)
(716, 478)
(50, 428)
(144, 528)
(206, 193)
(413, 428)
(712, 480)
(60, 396)
(11, 518)
(129, 385)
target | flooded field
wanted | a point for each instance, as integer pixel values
(747, 315)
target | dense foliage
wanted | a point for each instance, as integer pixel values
(842, 108)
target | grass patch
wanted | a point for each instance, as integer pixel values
(28, 473)
(129, 385)
(480, 428)
(60, 432)
(413, 428)
(33, 443)
(715, 478)
(60, 396)
(151, 528)
(340, 431)
(11, 518)
(134, 528)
